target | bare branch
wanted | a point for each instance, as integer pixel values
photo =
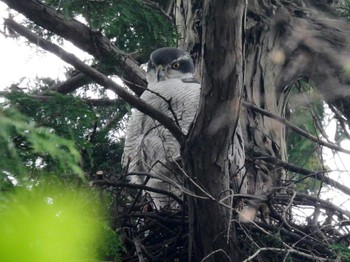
(295, 128)
(104, 102)
(319, 175)
(137, 186)
(342, 121)
(138, 249)
(99, 78)
(215, 251)
(290, 250)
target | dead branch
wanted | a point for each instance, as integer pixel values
(308, 200)
(138, 249)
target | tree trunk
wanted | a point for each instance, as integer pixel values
(206, 159)
(214, 36)
(282, 42)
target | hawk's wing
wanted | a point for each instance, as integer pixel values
(148, 143)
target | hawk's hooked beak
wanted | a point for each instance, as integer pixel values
(161, 73)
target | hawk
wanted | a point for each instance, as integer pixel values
(149, 147)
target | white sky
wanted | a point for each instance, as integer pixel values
(20, 60)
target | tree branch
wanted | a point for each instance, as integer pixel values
(295, 128)
(83, 37)
(104, 102)
(137, 186)
(302, 171)
(99, 78)
(91, 102)
(305, 199)
(72, 84)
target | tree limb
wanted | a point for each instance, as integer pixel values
(314, 174)
(92, 102)
(305, 199)
(72, 84)
(137, 186)
(295, 128)
(99, 78)
(82, 36)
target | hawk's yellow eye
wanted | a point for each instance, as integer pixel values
(175, 65)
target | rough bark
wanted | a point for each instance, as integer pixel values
(283, 42)
(206, 159)
(286, 42)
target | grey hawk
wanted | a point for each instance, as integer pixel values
(149, 147)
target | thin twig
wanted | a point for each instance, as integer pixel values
(214, 252)
(137, 244)
(295, 128)
(137, 186)
(319, 175)
(291, 250)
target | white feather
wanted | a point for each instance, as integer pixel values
(149, 147)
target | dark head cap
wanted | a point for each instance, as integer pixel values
(167, 55)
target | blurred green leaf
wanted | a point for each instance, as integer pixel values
(51, 222)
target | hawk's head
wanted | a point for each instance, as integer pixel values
(169, 63)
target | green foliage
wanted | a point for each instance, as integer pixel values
(302, 152)
(68, 116)
(31, 152)
(110, 246)
(342, 251)
(74, 119)
(53, 222)
(45, 134)
(344, 9)
(130, 24)
(27, 149)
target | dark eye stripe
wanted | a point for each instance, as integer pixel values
(150, 66)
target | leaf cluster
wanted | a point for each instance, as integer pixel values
(27, 150)
(90, 128)
(343, 251)
(129, 24)
(344, 9)
(51, 137)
